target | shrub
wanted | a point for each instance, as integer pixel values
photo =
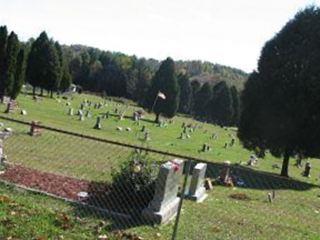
(134, 182)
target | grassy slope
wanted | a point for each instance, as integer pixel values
(294, 215)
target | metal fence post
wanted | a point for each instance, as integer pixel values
(176, 224)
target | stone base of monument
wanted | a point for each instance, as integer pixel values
(166, 213)
(199, 196)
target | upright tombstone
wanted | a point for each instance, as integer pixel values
(3, 136)
(80, 112)
(98, 123)
(88, 114)
(165, 202)
(307, 170)
(81, 116)
(11, 106)
(35, 129)
(6, 99)
(107, 115)
(197, 191)
(70, 111)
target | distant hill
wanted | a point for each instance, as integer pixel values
(196, 69)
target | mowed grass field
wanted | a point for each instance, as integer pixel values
(295, 214)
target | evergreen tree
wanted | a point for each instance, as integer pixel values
(201, 101)
(3, 49)
(235, 105)
(61, 63)
(185, 93)
(19, 75)
(36, 64)
(165, 81)
(195, 86)
(11, 62)
(221, 106)
(144, 81)
(66, 78)
(52, 68)
(280, 102)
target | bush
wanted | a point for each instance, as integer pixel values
(134, 182)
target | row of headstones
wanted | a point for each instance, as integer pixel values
(165, 202)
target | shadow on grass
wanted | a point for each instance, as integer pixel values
(121, 207)
(257, 179)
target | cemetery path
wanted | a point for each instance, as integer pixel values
(61, 186)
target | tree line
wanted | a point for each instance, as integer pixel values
(46, 65)
(40, 62)
(117, 74)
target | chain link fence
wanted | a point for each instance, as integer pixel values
(129, 185)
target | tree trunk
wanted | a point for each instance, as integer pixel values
(34, 92)
(157, 118)
(51, 94)
(41, 92)
(285, 165)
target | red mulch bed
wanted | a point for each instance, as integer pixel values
(62, 186)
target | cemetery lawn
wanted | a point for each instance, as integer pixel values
(295, 214)
(92, 160)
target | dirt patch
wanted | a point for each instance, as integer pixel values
(62, 186)
(240, 196)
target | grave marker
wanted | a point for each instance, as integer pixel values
(35, 129)
(98, 123)
(164, 205)
(197, 191)
(307, 170)
(11, 106)
(70, 112)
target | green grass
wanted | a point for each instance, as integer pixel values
(294, 214)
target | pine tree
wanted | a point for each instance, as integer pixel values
(143, 84)
(52, 68)
(201, 101)
(19, 75)
(221, 106)
(166, 82)
(3, 49)
(185, 93)
(11, 62)
(36, 64)
(61, 64)
(66, 78)
(236, 106)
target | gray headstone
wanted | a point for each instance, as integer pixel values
(98, 123)
(81, 117)
(71, 111)
(23, 112)
(88, 114)
(165, 202)
(197, 191)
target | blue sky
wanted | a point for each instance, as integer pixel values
(230, 32)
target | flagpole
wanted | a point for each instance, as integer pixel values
(154, 103)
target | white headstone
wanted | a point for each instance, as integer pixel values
(164, 205)
(197, 191)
